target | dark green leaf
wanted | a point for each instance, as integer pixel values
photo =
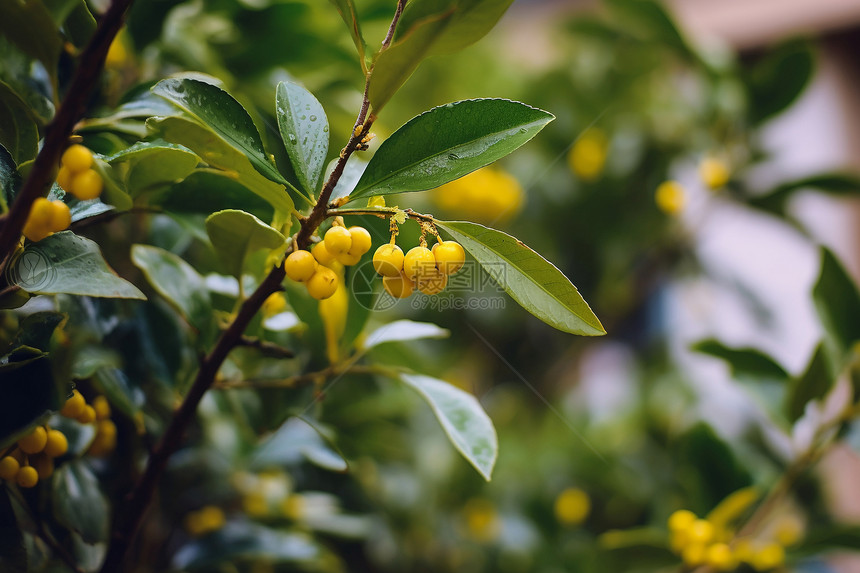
(36, 330)
(85, 209)
(79, 503)
(80, 25)
(535, 283)
(13, 553)
(152, 165)
(67, 263)
(470, 21)
(837, 301)
(467, 425)
(778, 80)
(815, 382)
(18, 131)
(219, 154)
(403, 331)
(28, 390)
(347, 11)
(177, 282)
(28, 25)
(746, 363)
(775, 200)
(651, 21)
(114, 192)
(709, 470)
(448, 142)
(10, 179)
(216, 109)
(304, 129)
(237, 234)
(295, 441)
(821, 539)
(119, 390)
(91, 358)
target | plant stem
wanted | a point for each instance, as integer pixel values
(383, 212)
(308, 377)
(58, 131)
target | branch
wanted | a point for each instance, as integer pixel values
(58, 131)
(306, 378)
(266, 348)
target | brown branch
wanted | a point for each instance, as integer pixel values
(58, 131)
(390, 35)
(266, 348)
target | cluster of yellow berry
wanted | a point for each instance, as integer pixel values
(32, 458)
(700, 543)
(76, 174)
(98, 413)
(426, 269)
(205, 520)
(314, 268)
(671, 197)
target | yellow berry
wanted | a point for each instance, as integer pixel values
(321, 254)
(419, 262)
(300, 266)
(64, 178)
(670, 197)
(694, 554)
(388, 260)
(27, 477)
(43, 465)
(700, 531)
(87, 185)
(276, 303)
(105, 440)
(57, 444)
(338, 240)
(433, 284)
(9, 467)
(77, 158)
(348, 259)
(61, 217)
(87, 415)
(721, 558)
(34, 442)
(450, 256)
(768, 557)
(102, 407)
(681, 519)
(572, 506)
(35, 231)
(361, 241)
(789, 530)
(714, 172)
(322, 284)
(74, 406)
(399, 286)
(39, 221)
(587, 156)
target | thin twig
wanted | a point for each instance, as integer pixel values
(306, 378)
(266, 348)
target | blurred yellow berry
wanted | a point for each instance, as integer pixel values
(102, 407)
(87, 415)
(700, 531)
(105, 440)
(488, 195)
(87, 185)
(255, 504)
(388, 260)
(322, 284)
(275, 303)
(694, 554)
(721, 558)
(337, 240)
(399, 286)
(9, 467)
(57, 444)
(34, 442)
(117, 53)
(744, 550)
(27, 477)
(61, 217)
(670, 197)
(714, 172)
(64, 178)
(293, 507)
(39, 222)
(482, 520)
(789, 530)
(205, 520)
(768, 557)
(681, 520)
(77, 158)
(300, 266)
(572, 506)
(587, 156)
(74, 405)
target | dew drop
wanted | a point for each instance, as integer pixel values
(523, 130)
(325, 129)
(313, 118)
(293, 139)
(303, 117)
(453, 156)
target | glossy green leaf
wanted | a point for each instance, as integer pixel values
(304, 129)
(114, 192)
(29, 25)
(35, 330)
(747, 363)
(469, 22)
(220, 112)
(777, 80)
(246, 541)
(28, 389)
(18, 131)
(837, 301)
(205, 191)
(294, 441)
(403, 331)
(151, 165)
(13, 552)
(448, 142)
(814, 383)
(467, 425)
(79, 503)
(68, 263)
(84, 209)
(393, 66)
(177, 282)
(219, 154)
(237, 234)
(535, 283)
(347, 11)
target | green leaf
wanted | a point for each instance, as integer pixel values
(815, 382)
(219, 154)
(114, 191)
(535, 283)
(152, 165)
(85, 209)
(470, 21)
(10, 179)
(79, 503)
(467, 425)
(403, 331)
(448, 142)
(122, 395)
(304, 129)
(28, 390)
(28, 24)
(67, 263)
(393, 66)
(246, 541)
(13, 551)
(746, 363)
(36, 330)
(346, 9)
(775, 200)
(237, 234)
(91, 358)
(18, 131)
(80, 25)
(177, 282)
(651, 21)
(837, 301)
(294, 441)
(776, 81)
(823, 538)
(218, 110)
